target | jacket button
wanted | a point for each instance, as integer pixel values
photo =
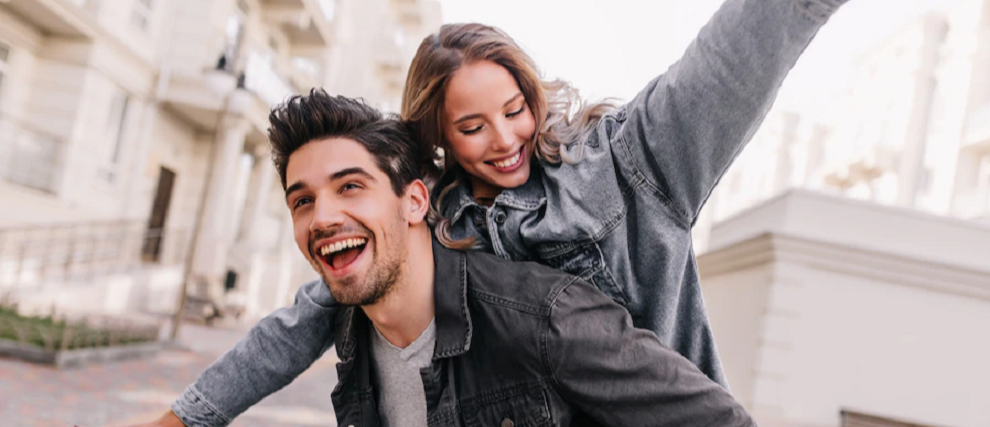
(500, 217)
(508, 423)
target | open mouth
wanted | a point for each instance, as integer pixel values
(511, 163)
(343, 253)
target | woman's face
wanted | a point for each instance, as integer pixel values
(488, 126)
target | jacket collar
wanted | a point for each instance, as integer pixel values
(458, 198)
(453, 318)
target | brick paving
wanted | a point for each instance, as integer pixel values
(128, 392)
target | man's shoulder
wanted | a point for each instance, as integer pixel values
(522, 285)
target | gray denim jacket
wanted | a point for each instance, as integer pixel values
(620, 218)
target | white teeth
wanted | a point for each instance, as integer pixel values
(508, 162)
(341, 245)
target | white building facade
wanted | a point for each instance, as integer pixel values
(913, 131)
(846, 264)
(133, 138)
(829, 311)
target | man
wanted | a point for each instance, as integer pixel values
(432, 336)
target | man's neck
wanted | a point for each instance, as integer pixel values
(407, 310)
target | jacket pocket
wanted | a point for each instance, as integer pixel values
(522, 405)
(587, 262)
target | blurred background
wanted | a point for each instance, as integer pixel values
(845, 255)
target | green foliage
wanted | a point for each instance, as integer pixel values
(52, 333)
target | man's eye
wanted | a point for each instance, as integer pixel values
(301, 201)
(349, 186)
(517, 112)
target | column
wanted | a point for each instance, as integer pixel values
(262, 178)
(912, 161)
(210, 258)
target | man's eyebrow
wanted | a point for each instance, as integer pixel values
(474, 116)
(298, 186)
(351, 171)
(293, 188)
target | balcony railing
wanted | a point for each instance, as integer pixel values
(30, 156)
(84, 251)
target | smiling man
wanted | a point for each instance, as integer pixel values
(431, 336)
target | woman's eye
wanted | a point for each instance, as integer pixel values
(517, 112)
(471, 131)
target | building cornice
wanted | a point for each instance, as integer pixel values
(772, 247)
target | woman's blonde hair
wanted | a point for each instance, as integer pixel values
(562, 119)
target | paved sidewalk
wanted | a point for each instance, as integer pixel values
(128, 392)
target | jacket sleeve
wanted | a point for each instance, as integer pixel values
(273, 353)
(623, 376)
(685, 128)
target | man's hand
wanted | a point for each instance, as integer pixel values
(167, 420)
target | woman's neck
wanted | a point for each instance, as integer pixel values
(483, 192)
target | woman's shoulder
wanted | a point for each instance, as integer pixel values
(591, 154)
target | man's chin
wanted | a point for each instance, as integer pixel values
(345, 290)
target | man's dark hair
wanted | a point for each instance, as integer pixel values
(302, 119)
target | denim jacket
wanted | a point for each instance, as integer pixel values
(621, 217)
(526, 345)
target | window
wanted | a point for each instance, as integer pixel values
(328, 8)
(4, 53)
(234, 33)
(115, 132)
(141, 14)
(273, 45)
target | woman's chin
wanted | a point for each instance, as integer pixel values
(513, 179)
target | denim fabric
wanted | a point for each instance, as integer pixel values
(621, 218)
(526, 345)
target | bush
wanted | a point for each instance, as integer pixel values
(57, 334)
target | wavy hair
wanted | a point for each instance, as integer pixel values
(563, 120)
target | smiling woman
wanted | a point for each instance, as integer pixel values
(487, 136)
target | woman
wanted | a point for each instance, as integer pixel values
(609, 194)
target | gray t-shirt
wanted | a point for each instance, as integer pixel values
(401, 399)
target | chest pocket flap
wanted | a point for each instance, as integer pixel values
(514, 406)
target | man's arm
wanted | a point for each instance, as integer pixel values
(273, 353)
(623, 376)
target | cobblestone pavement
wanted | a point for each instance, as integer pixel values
(128, 392)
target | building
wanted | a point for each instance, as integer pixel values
(133, 138)
(846, 264)
(913, 131)
(829, 311)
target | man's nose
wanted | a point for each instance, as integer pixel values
(326, 215)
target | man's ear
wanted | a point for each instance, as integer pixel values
(417, 201)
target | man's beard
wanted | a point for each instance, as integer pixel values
(387, 265)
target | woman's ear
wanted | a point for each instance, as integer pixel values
(417, 201)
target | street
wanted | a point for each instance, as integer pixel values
(134, 391)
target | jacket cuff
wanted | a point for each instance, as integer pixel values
(195, 411)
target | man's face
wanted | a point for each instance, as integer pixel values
(348, 222)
